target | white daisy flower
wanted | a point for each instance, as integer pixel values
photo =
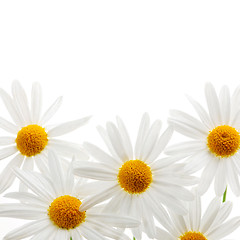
(215, 140)
(213, 225)
(55, 208)
(138, 183)
(31, 138)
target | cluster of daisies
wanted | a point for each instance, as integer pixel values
(72, 191)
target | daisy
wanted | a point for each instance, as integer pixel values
(211, 226)
(137, 184)
(215, 140)
(54, 206)
(31, 137)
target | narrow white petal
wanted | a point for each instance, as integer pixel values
(189, 121)
(21, 211)
(225, 229)
(207, 176)
(13, 111)
(179, 223)
(164, 162)
(125, 138)
(115, 221)
(36, 102)
(150, 141)
(67, 127)
(235, 101)
(7, 140)
(116, 140)
(7, 176)
(232, 177)
(9, 127)
(161, 234)
(220, 178)
(201, 113)
(148, 221)
(51, 110)
(99, 197)
(42, 163)
(56, 171)
(213, 104)
(189, 147)
(210, 214)
(27, 230)
(195, 212)
(143, 129)
(7, 151)
(224, 101)
(67, 149)
(27, 165)
(103, 133)
(89, 233)
(94, 171)
(20, 97)
(48, 233)
(161, 144)
(100, 155)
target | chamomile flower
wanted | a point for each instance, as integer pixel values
(137, 184)
(54, 206)
(30, 136)
(212, 225)
(215, 140)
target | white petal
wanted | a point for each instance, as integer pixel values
(19, 96)
(7, 151)
(117, 144)
(125, 138)
(150, 141)
(7, 140)
(99, 197)
(224, 101)
(210, 214)
(207, 176)
(115, 221)
(201, 113)
(27, 230)
(161, 144)
(190, 147)
(21, 211)
(232, 177)
(42, 163)
(143, 129)
(195, 212)
(7, 177)
(67, 127)
(100, 155)
(56, 171)
(9, 127)
(213, 104)
(220, 178)
(161, 234)
(225, 229)
(27, 165)
(13, 111)
(94, 171)
(36, 103)
(68, 149)
(51, 111)
(90, 233)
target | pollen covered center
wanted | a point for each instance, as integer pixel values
(223, 141)
(64, 212)
(135, 176)
(192, 236)
(31, 140)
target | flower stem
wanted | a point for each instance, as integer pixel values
(224, 195)
(70, 238)
(134, 238)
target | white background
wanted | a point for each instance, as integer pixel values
(124, 58)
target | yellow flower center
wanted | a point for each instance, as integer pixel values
(192, 236)
(223, 141)
(31, 140)
(135, 176)
(64, 212)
